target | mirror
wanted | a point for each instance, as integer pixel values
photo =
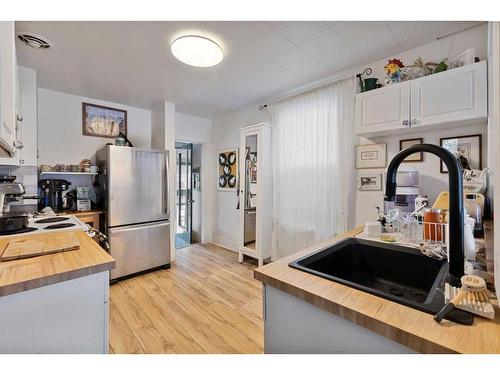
(250, 198)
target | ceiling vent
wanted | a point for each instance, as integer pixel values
(33, 40)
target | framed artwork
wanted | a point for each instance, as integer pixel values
(467, 148)
(369, 181)
(227, 170)
(100, 121)
(404, 143)
(371, 156)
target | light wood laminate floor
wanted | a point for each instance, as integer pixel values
(206, 303)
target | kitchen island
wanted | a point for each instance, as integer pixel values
(304, 313)
(55, 303)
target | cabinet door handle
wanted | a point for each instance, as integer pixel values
(19, 118)
(18, 144)
(406, 123)
(413, 122)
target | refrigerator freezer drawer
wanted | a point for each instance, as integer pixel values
(137, 248)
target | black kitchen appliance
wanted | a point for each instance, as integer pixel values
(10, 191)
(51, 194)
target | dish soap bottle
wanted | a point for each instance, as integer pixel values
(473, 209)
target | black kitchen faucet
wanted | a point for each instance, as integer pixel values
(456, 205)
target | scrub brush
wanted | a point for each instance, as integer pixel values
(472, 297)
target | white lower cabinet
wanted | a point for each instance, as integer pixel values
(67, 317)
(452, 98)
(293, 326)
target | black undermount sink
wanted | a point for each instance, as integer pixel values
(397, 273)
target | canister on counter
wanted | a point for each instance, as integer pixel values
(433, 227)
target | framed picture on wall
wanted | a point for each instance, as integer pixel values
(405, 143)
(101, 121)
(467, 148)
(371, 156)
(227, 170)
(369, 181)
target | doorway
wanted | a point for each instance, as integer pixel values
(188, 194)
(184, 200)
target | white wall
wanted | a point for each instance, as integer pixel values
(60, 139)
(192, 128)
(494, 133)
(226, 135)
(431, 180)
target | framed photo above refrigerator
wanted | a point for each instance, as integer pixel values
(101, 121)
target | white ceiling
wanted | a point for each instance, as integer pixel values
(130, 62)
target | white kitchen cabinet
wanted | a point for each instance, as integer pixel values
(383, 109)
(26, 131)
(294, 326)
(457, 95)
(8, 88)
(256, 193)
(67, 317)
(452, 98)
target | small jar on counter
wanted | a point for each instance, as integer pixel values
(433, 225)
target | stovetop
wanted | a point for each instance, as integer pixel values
(50, 224)
(59, 226)
(54, 219)
(19, 231)
(56, 223)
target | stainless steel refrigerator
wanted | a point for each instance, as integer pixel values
(135, 192)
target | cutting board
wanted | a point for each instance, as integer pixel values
(36, 245)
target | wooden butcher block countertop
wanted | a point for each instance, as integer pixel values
(24, 274)
(407, 326)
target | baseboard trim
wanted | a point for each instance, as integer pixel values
(225, 243)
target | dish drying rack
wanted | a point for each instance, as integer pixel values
(430, 237)
(418, 232)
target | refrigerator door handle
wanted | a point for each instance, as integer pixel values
(166, 201)
(129, 228)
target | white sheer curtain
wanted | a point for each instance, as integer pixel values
(313, 166)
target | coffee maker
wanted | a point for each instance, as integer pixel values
(51, 193)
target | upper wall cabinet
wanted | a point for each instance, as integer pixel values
(383, 109)
(456, 95)
(8, 88)
(26, 131)
(452, 98)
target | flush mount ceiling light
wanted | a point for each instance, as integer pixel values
(197, 51)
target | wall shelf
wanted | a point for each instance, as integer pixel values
(69, 173)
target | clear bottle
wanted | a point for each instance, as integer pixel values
(473, 209)
(120, 139)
